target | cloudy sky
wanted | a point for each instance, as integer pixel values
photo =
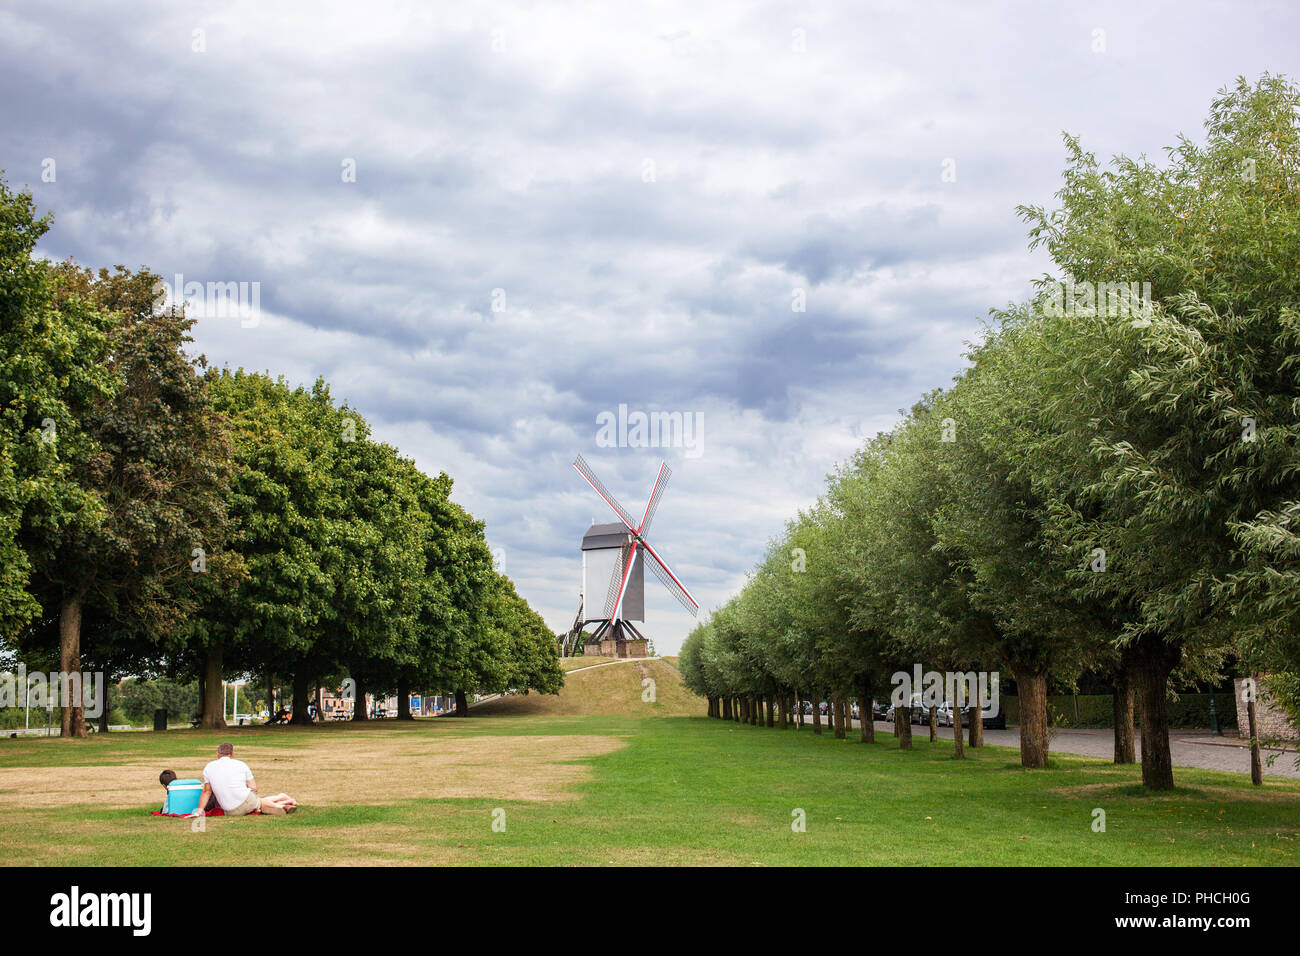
(558, 209)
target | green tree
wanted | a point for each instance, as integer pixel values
(159, 474)
(1189, 410)
(52, 374)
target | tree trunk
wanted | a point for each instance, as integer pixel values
(866, 715)
(1256, 761)
(270, 693)
(1034, 742)
(1123, 717)
(768, 704)
(977, 725)
(72, 718)
(934, 723)
(1155, 659)
(360, 711)
(203, 694)
(214, 699)
(841, 718)
(404, 699)
(462, 706)
(301, 695)
(782, 711)
(957, 752)
(817, 717)
(104, 705)
(726, 708)
(905, 728)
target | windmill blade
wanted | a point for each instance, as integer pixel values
(618, 581)
(584, 469)
(670, 580)
(657, 492)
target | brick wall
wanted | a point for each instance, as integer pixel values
(1271, 722)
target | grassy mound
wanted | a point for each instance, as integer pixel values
(596, 686)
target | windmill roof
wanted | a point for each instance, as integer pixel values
(604, 536)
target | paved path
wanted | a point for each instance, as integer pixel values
(1188, 748)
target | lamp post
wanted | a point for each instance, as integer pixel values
(1214, 718)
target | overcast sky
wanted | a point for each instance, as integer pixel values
(561, 208)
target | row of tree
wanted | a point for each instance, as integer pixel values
(1112, 485)
(158, 517)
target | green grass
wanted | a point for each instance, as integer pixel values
(680, 791)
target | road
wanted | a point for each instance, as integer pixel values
(1188, 748)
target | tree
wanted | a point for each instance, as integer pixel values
(1188, 408)
(52, 374)
(159, 474)
(283, 507)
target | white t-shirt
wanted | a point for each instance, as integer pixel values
(229, 779)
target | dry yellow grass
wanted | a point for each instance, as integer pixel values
(337, 769)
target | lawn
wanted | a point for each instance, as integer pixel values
(602, 790)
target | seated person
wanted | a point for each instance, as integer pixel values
(167, 778)
(232, 783)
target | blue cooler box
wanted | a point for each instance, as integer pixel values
(183, 796)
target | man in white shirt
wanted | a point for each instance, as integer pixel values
(232, 783)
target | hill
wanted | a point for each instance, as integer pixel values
(599, 686)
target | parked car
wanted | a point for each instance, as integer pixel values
(917, 711)
(943, 714)
(881, 711)
(944, 717)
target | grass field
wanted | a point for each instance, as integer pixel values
(602, 790)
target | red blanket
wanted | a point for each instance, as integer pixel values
(211, 813)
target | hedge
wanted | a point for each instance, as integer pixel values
(1188, 712)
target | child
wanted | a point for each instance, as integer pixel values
(180, 789)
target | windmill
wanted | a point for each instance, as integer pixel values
(613, 556)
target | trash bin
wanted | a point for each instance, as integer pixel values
(160, 719)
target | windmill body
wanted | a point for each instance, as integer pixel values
(602, 551)
(613, 582)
